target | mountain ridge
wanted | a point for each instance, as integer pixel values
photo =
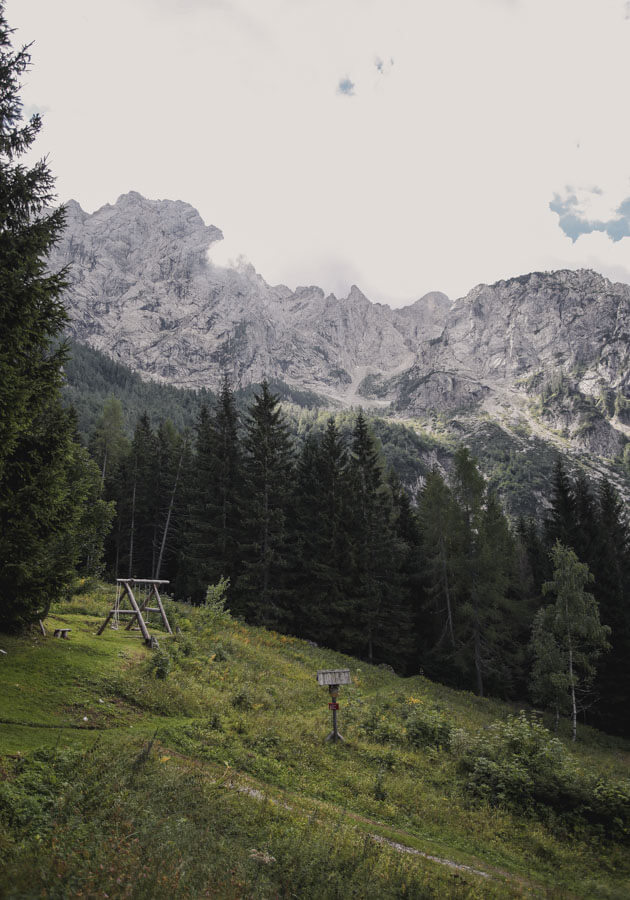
(550, 349)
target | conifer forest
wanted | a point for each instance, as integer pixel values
(315, 536)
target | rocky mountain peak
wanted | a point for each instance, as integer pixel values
(145, 292)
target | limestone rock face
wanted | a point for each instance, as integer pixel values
(556, 320)
(554, 346)
(144, 290)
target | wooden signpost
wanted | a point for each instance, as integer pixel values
(333, 678)
(125, 589)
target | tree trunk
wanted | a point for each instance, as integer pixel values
(477, 644)
(571, 678)
(447, 592)
(168, 518)
(133, 521)
(478, 669)
(573, 702)
(104, 469)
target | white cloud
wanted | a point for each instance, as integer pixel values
(436, 177)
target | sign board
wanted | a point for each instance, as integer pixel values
(333, 706)
(333, 676)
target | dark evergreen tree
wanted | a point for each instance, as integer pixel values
(505, 617)
(215, 527)
(468, 489)
(611, 569)
(537, 563)
(226, 499)
(321, 571)
(484, 568)
(194, 574)
(560, 524)
(379, 622)
(138, 505)
(268, 465)
(40, 507)
(585, 537)
(172, 454)
(441, 535)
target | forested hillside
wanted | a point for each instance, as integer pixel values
(315, 535)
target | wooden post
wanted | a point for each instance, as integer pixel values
(136, 609)
(162, 613)
(104, 625)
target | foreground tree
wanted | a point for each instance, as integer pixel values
(567, 637)
(41, 494)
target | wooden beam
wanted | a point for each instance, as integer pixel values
(162, 612)
(142, 581)
(104, 625)
(136, 609)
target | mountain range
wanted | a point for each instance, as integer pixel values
(546, 353)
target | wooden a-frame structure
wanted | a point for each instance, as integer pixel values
(137, 610)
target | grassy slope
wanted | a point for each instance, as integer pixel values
(239, 764)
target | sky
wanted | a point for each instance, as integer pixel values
(404, 146)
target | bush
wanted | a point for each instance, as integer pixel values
(427, 726)
(160, 663)
(380, 728)
(213, 610)
(518, 763)
(242, 699)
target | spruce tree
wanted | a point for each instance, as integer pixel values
(484, 569)
(172, 454)
(379, 623)
(42, 497)
(194, 574)
(138, 505)
(560, 524)
(468, 490)
(440, 538)
(268, 466)
(611, 569)
(321, 572)
(226, 496)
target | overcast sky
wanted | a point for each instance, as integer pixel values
(402, 145)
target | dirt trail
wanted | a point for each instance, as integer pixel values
(237, 781)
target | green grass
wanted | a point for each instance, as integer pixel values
(239, 763)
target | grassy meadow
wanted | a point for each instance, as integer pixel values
(200, 769)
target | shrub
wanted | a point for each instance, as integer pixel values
(160, 663)
(518, 763)
(213, 610)
(427, 726)
(380, 728)
(242, 699)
